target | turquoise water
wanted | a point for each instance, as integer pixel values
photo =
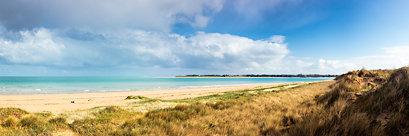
(65, 85)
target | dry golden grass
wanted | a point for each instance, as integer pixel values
(353, 108)
(250, 113)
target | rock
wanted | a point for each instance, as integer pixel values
(396, 76)
(363, 72)
(378, 80)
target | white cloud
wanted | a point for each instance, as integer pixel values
(401, 51)
(36, 47)
(302, 64)
(81, 48)
(231, 51)
(319, 67)
(327, 65)
(393, 57)
(277, 38)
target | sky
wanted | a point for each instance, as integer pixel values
(180, 37)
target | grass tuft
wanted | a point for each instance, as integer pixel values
(16, 112)
(11, 121)
(29, 121)
(58, 120)
(135, 97)
(44, 114)
(111, 109)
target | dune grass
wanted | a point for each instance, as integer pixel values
(15, 121)
(247, 112)
(361, 103)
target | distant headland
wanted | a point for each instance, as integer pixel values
(263, 75)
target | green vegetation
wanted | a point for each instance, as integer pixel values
(19, 122)
(105, 121)
(16, 112)
(135, 97)
(222, 96)
(356, 103)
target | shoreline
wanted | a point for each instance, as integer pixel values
(60, 103)
(86, 90)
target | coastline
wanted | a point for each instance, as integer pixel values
(60, 103)
(68, 85)
(245, 77)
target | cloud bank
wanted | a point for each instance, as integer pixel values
(391, 57)
(59, 34)
(81, 48)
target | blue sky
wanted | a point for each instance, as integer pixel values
(178, 37)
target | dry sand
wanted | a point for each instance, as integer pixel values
(60, 103)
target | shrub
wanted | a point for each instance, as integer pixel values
(44, 114)
(112, 109)
(221, 105)
(135, 97)
(28, 121)
(16, 112)
(35, 126)
(11, 121)
(181, 107)
(58, 120)
(100, 126)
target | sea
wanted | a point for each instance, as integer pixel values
(20, 85)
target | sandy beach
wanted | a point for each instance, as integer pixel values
(60, 103)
